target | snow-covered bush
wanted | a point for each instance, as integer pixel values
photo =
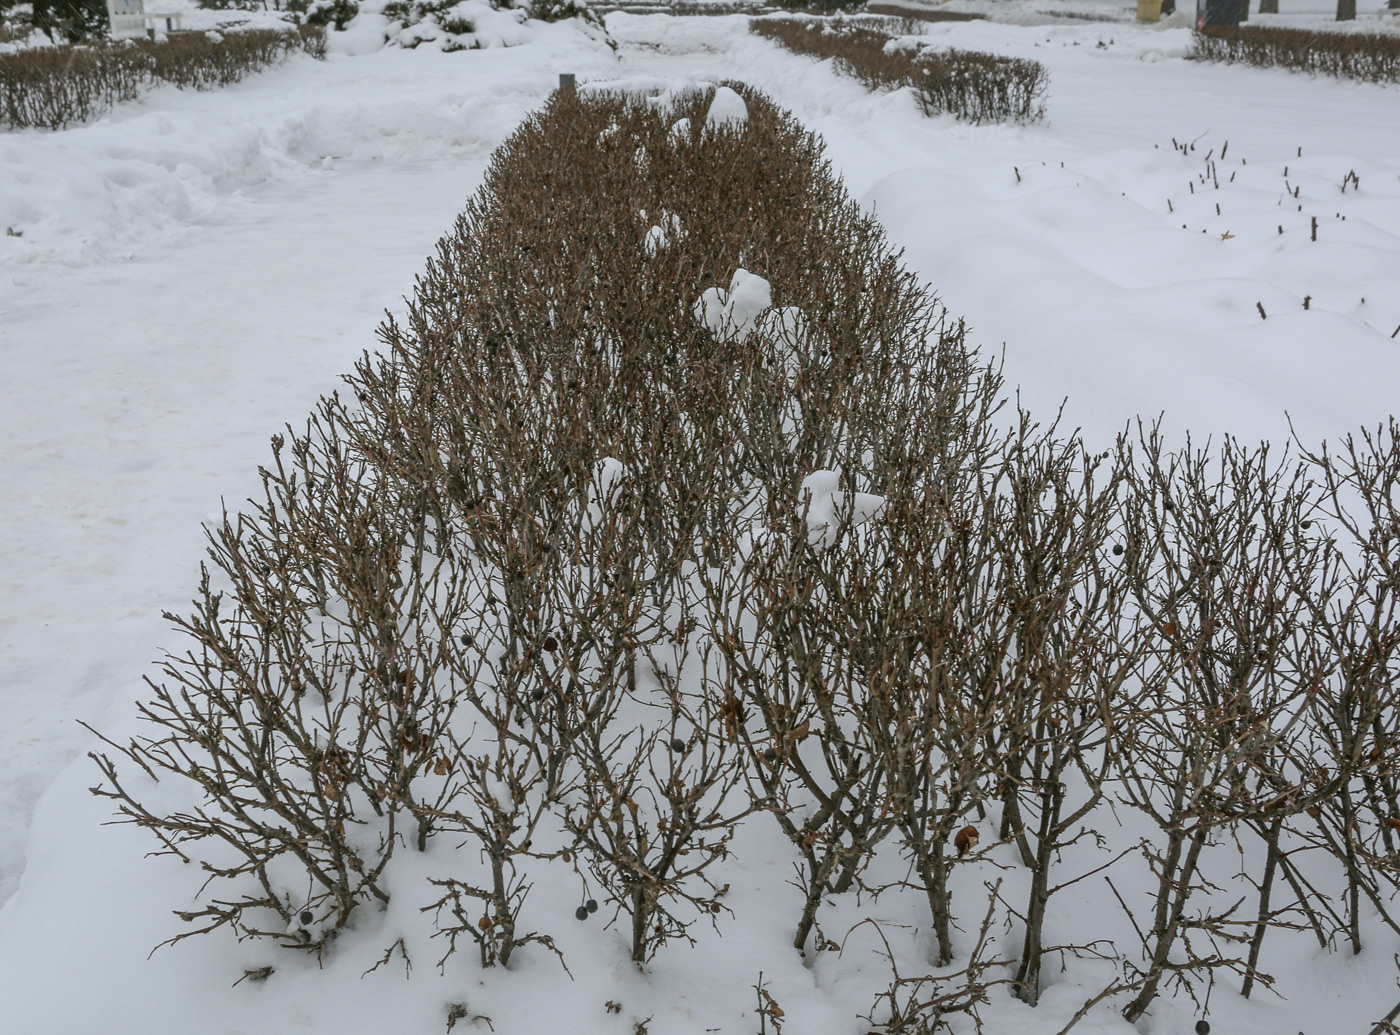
(16, 20)
(474, 24)
(324, 12)
(71, 20)
(559, 10)
(625, 555)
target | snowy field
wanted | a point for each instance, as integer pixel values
(190, 273)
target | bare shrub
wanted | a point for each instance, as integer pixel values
(967, 84)
(1354, 712)
(1369, 57)
(53, 87)
(922, 15)
(309, 711)
(593, 562)
(1221, 576)
(923, 1004)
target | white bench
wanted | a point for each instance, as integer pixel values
(131, 20)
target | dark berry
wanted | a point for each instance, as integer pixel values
(468, 639)
(537, 695)
(1305, 524)
(581, 912)
(1118, 549)
(306, 916)
(678, 744)
(551, 644)
(1202, 1028)
(591, 905)
(769, 754)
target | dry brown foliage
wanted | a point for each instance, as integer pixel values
(967, 84)
(575, 577)
(1369, 57)
(53, 87)
(922, 15)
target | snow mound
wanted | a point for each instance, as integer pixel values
(665, 232)
(727, 111)
(828, 510)
(731, 315)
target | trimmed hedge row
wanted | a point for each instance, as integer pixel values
(971, 85)
(1369, 57)
(675, 500)
(448, 611)
(53, 87)
(923, 14)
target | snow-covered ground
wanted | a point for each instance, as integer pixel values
(191, 272)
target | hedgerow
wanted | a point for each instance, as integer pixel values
(1369, 57)
(53, 87)
(675, 504)
(967, 84)
(923, 14)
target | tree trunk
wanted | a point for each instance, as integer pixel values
(1265, 887)
(1027, 987)
(1268, 6)
(1353, 866)
(1012, 825)
(640, 917)
(935, 877)
(1346, 10)
(1171, 904)
(815, 887)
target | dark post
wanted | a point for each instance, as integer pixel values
(1211, 13)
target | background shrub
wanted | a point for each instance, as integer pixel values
(53, 87)
(1369, 57)
(969, 85)
(674, 499)
(71, 20)
(325, 12)
(923, 14)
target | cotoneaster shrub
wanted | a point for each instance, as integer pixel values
(53, 87)
(1369, 57)
(675, 504)
(969, 85)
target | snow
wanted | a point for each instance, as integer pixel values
(727, 111)
(188, 274)
(827, 510)
(731, 314)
